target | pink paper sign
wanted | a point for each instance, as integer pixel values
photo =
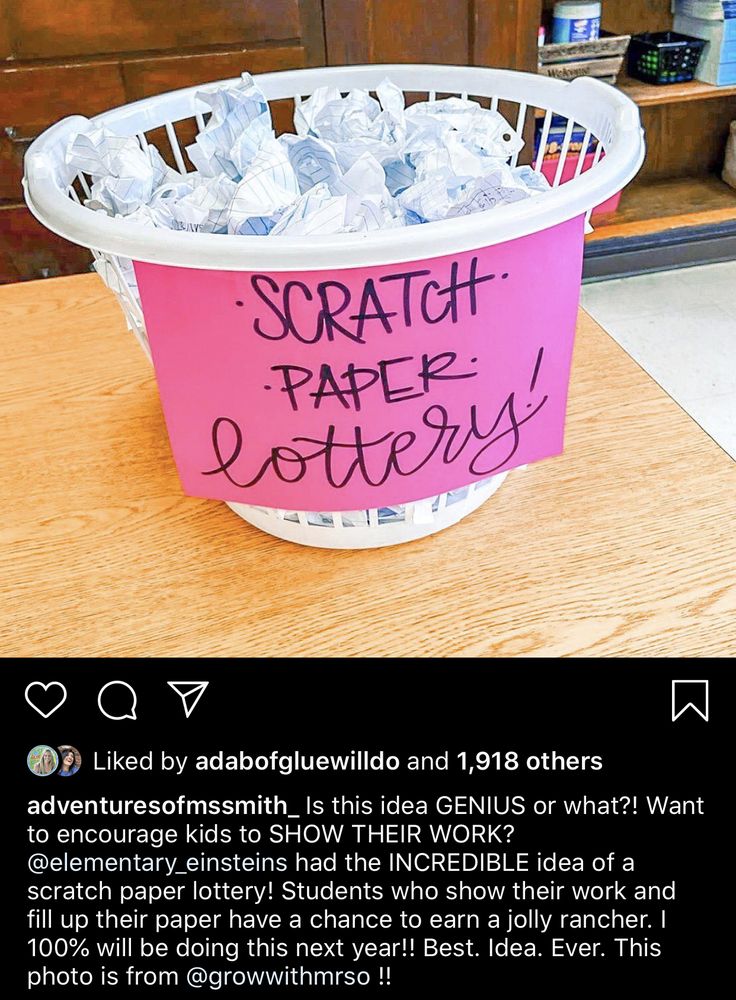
(365, 387)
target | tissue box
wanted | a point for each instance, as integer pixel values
(549, 169)
(718, 62)
(550, 162)
(707, 10)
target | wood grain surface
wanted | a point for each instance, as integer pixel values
(686, 138)
(623, 545)
(651, 93)
(110, 52)
(669, 204)
(500, 33)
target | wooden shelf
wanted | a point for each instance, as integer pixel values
(648, 94)
(669, 204)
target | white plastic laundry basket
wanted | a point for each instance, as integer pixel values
(54, 195)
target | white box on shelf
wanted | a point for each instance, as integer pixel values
(718, 62)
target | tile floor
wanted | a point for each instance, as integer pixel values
(681, 328)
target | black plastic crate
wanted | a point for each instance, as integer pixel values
(664, 56)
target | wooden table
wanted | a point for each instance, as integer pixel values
(626, 544)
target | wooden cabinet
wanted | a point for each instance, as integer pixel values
(43, 30)
(500, 33)
(60, 60)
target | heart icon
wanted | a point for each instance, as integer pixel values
(44, 703)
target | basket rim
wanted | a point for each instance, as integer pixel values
(590, 102)
(655, 38)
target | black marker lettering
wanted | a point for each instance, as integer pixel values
(326, 378)
(370, 295)
(514, 426)
(425, 313)
(432, 368)
(287, 309)
(394, 395)
(290, 385)
(327, 323)
(406, 277)
(357, 387)
(256, 281)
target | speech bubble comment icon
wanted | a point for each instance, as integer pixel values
(119, 704)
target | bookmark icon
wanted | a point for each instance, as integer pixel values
(693, 695)
(190, 692)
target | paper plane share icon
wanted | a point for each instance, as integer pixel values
(190, 692)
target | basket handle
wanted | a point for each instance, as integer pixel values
(587, 88)
(45, 157)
